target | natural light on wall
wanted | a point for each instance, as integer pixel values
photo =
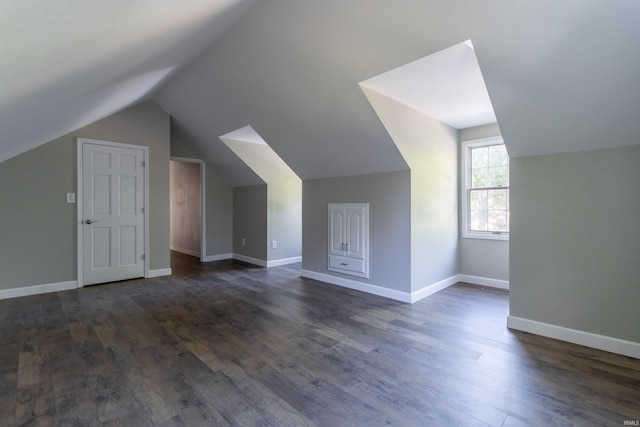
(247, 144)
(447, 85)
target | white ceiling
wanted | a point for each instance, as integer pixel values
(68, 63)
(561, 76)
(446, 85)
(254, 151)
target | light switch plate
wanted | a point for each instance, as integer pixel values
(71, 197)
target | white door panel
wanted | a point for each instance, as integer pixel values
(113, 213)
(356, 235)
(336, 230)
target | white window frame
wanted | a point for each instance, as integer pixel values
(465, 179)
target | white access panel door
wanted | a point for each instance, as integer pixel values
(113, 213)
(357, 231)
(349, 238)
(337, 231)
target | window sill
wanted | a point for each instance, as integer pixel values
(486, 236)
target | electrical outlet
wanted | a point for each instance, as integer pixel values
(244, 241)
(274, 244)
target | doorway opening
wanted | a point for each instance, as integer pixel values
(187, 207)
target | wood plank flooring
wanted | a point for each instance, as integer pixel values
(228, 344)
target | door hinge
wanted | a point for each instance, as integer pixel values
(144, 163)
(143, 257)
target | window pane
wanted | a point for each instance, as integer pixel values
(479, 178)
(498, 221)
(478, 220)
(479, 157)
(478, 200)
(499, 176)
(488, 191)
(497, 200)
(498, 155)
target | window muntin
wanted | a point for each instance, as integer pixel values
(487, 190)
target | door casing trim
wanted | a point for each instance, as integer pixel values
(79, 212)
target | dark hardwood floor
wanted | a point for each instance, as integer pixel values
(226, 343)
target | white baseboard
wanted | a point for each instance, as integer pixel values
(219, 257)
(433, 288)
(587, 339)
(250, 260)
(398, 295)
(185, 251)
(284, 261)
(484, 281)
(159, 273)
(37, 289)
(254, 261)
(358, 286)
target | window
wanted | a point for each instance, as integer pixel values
(486, 189)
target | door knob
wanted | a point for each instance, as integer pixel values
(88, 221)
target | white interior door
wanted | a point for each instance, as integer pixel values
(112, 213)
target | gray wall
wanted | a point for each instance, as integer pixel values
(250, 221)
(284, 219)
(219, 220)
(481, 257)
(484, 258)
(282, 211)
(219, 204)
(37, 226)
(185, 207)
(430, 148)
(434, 208)
(575, 241)
(389, 198)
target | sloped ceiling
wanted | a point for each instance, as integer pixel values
(68, 63)
(259, 156)
(562, 75)
(447, 86)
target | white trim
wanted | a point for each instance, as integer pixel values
(433, 288)
(219, 257)
(203, 204)
(484, 281)
(358, 286)
(284, 261)
(587, 339)
(386, 292)
(249, 260)
(185, 251)
(159, 273)
(254, 261)
(465, 182)
(79, 199)
(147, 208)
(185, 159)
(37, 289)
(485, 235)
(79, 214)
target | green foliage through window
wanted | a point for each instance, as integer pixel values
(488, 201)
